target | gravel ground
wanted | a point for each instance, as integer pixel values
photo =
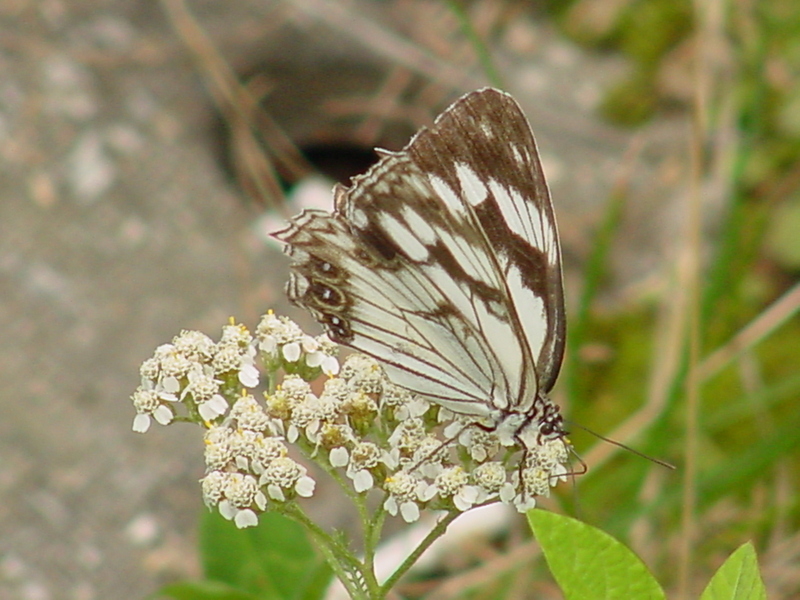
(118, 228)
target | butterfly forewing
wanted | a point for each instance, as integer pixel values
(442, 262)
(483, 149)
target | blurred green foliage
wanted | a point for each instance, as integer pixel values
(749, 434)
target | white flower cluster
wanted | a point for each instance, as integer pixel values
(378, 435)
(204, 376)
(247, 464)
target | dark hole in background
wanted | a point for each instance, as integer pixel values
(340, 161)
(297, 98)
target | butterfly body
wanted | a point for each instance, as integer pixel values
(442, 262)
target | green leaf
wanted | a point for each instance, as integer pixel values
(203, 590)
(738, 578)
(589, 564)
(273, 560)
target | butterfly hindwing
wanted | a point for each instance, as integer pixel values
(387, 310)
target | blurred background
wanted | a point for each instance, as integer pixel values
(146, 149)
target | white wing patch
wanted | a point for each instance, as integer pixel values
(447, 194)
(419, 226)
(472, 187)
(404, 238)
(531, 310)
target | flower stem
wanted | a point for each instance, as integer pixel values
(435, 533)
(359, 581)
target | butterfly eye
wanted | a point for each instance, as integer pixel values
(551, 424)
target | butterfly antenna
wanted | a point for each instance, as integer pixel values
(658, 461)
(584, 467)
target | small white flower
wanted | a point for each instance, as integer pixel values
(241, 489)
(241, 493)
(245, 518)
(339, 457)
(195, 345)
(285, 474)
(248, 372)
(218, 453)
(269, 346)
(213, 408)
(481, 444)
(149, 403)
(365, 456)
(213, 485)
(402, 488)
(269, 333)
(409, 511)
(306, 417)
(305, 486)
(453, 483)
(141, 423)
(287, 331)
(359, 406)
(235, 334)
(202, 385)
(327, 344)
(336, 388)
(451, 480)
(309, 344)
(491, 476)
(295, 388)
(362, 480)
(249, 414)
(145, 401)
(408, 434)
(253, 451)
(405, 404)
(227, 359)
(150, 369)
(507, 493)
(175, 364)
(291, 352)
(168, 388)
(358, 364)
(363, 374)
(535, 481)
(330, 366)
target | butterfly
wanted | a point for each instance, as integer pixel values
(443, 262)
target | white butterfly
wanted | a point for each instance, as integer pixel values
(443, 263)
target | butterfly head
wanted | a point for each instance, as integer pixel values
(551, 423)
